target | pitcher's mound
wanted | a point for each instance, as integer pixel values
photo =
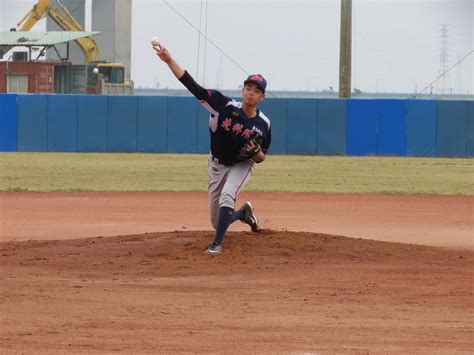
(271, 292)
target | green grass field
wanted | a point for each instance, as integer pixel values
(185, 172)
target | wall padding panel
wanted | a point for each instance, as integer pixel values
(8, 123)
(421, 128)
(470, 129)
(92, 123)
(302, 126)
(62, 123)
(451, 137)
(32, 123)
(122, 124)
(391, 127)
(182, 124)
(361, 127)
(332, 126)
(152, 124)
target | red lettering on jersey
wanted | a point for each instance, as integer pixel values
(226, 124)
(237, 128)
(247, 133)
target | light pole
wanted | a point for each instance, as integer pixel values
(345, 53)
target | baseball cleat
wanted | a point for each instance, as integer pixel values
(249, 217)
(213, 249)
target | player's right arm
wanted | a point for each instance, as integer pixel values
(164, 54)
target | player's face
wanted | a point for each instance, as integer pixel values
(252, 94)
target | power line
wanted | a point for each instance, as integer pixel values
(199, 42)
(205, 46)
(447, 71)
(207, 38)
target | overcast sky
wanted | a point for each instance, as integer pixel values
(295, 44)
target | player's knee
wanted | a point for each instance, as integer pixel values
(227, 200)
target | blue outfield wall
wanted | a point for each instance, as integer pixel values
(32, 123)
(157, 124)
(92, 112)
(470, 129)
(391, 127)
(62, 123)
(421, 128)
(451, 133)
(361, 127)
(301, 127)
(8, 123)
(332, 127)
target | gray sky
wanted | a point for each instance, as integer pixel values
(295, 44)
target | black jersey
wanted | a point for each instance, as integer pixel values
(230, 128)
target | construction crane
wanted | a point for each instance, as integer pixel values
(101, 76)
(63, 18)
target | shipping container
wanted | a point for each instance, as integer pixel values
(35, 77)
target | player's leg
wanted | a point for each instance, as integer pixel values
(217, 175)
(246, 215)
(238, 175)
(235, 183)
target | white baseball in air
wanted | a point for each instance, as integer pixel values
(156, 42)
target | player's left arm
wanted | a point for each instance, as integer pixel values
(260, 156)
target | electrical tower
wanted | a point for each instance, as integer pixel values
(443, 62)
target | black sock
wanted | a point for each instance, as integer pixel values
(225, 219)
(238, 215)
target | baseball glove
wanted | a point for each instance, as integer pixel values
(249, 150)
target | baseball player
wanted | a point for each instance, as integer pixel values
(240, 137)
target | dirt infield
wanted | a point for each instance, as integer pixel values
(72, 281)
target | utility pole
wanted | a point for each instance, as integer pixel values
(345, 49)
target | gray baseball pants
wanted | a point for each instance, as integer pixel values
(225, 184)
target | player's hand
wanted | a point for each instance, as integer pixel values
(251, 150)
(253, 146)
(163, 53)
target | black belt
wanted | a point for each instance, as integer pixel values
(223, 161)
